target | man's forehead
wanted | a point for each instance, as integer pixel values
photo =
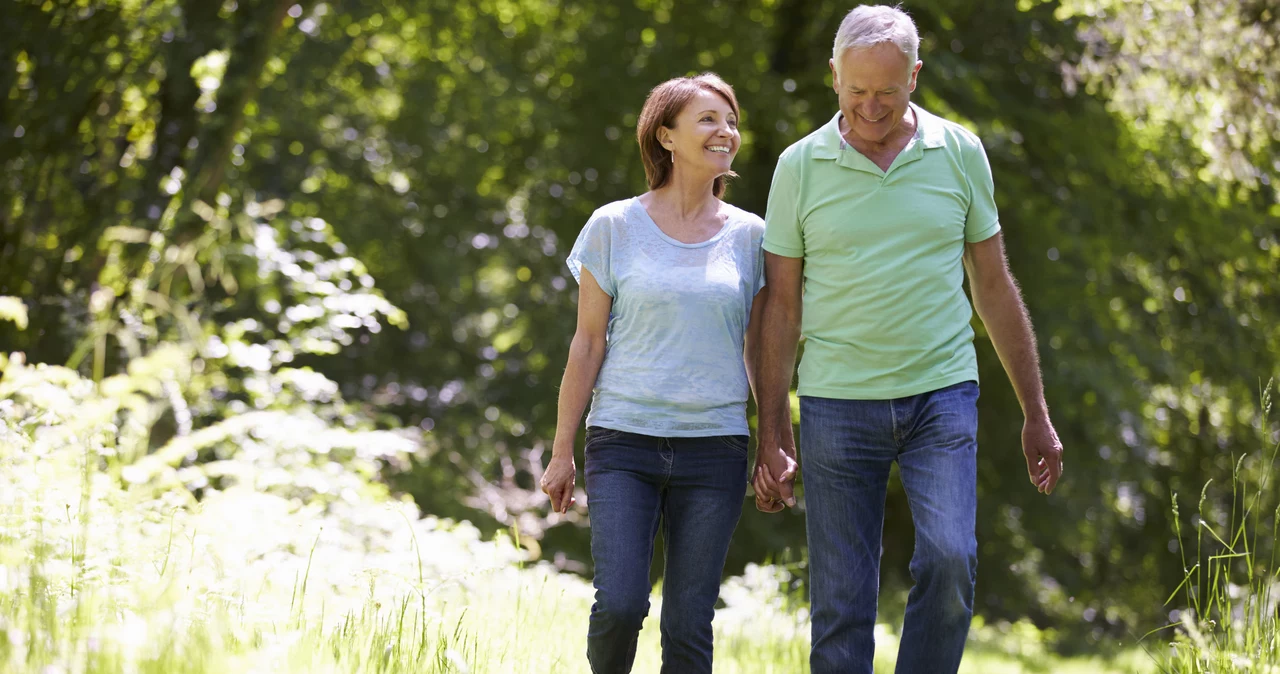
(874, 67)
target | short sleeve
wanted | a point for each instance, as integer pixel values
(592, 252)
(982, 222)
(757, 250)
(782, 235)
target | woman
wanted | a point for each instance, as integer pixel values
(668, 308)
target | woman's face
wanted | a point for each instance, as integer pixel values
(705, 136)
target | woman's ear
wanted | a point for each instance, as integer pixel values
(664, 137)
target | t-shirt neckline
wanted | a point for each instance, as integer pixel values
(648, 219)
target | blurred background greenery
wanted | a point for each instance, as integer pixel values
(361, 208)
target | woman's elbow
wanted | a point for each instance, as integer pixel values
(587, 346)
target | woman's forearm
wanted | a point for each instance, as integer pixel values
(585, 357)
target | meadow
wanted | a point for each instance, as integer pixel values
(109, 563)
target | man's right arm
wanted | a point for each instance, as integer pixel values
(775, 460)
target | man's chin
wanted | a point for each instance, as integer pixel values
(874, 135)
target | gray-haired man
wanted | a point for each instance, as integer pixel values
(879, 214)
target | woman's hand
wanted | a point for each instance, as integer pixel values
(557, 482)
(772, 493)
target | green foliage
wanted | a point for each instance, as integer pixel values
(13, 310)
(1228, 620)
(292, 550)
(294, 559)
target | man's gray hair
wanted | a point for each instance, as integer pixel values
(870, 25)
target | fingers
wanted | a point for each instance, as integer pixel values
(765, 481)
(566, 500)
(767, 505)
(787, 492)
(773, 495)
(785, 467)
(561, 494)
(1034, 468)
(1053, 464)
(556, 494)
(1045, 469)
(767, 497)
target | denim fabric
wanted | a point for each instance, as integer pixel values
(693, 488)
(847, 448)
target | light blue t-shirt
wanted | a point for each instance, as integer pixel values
(673, 361)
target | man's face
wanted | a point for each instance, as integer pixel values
(874, 85)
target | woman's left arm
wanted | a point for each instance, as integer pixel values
(752, 339)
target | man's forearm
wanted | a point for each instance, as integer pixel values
(1000, 306)
(781, 335)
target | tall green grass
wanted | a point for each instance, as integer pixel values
(290, 561)
(1229, 619)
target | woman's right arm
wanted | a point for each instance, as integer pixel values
(586, 354)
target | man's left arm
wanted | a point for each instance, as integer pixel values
(999, 304)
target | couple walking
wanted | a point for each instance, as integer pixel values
(687, 303)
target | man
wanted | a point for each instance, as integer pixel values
(879, 214)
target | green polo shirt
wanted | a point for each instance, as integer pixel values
(885, 313)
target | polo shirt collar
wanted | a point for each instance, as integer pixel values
(929, 134)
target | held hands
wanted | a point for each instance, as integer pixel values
(557, 481)
(1043, 451)
(775, 471)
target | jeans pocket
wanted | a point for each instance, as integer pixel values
(735, 442)
(597, 434)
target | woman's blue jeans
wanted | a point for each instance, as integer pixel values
(846, 450)
(693, 488)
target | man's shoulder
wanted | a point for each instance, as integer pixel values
(803, 149)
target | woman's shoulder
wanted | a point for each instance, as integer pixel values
(615, 212)
(745, 219)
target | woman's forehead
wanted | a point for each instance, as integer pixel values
(707, 100)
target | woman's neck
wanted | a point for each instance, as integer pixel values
(686, 198)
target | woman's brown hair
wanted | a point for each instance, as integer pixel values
(661, 109)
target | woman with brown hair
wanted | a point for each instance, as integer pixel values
(668, 310)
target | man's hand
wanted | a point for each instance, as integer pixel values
(1043, 450)
(775, 471)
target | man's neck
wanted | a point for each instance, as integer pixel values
(892, 143)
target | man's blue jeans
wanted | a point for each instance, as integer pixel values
(846, 450)
(693, 488)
